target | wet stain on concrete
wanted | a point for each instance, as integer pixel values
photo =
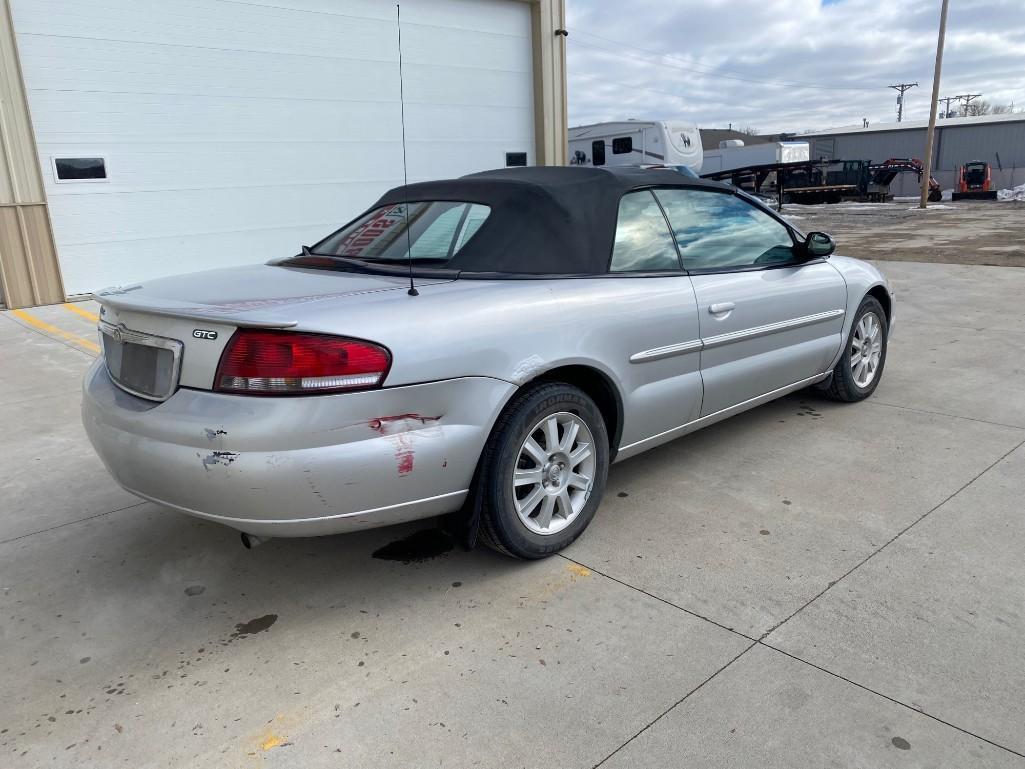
(418, 547)
(576, 570)
(254, 626)
(900, 743)
(810, 411)
(193, 590)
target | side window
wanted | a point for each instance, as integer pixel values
(598, 152)
(719, 231)
(643, 240)
(624, 145)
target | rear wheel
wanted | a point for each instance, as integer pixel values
(857, 374)
(544, 471)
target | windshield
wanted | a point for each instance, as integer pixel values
(423, 231)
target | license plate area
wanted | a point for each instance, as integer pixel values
(143, 364)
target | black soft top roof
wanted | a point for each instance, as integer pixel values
(544, 219)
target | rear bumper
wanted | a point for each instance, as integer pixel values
(297, 466)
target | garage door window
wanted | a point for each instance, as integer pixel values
(80, 169)
(719, 232)
(643, 241)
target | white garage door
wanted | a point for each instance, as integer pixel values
(232, 131)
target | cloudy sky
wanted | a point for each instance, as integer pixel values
(785, 65)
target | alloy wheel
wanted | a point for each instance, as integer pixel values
(866, 349)
(554, 473)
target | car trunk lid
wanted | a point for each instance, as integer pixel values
(170, 332)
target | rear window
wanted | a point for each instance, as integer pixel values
(427, 232)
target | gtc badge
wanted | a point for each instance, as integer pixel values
(201, 333)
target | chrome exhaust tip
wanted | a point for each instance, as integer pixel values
(249, 541)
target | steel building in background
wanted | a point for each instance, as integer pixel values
(997, 139)
(140, 138)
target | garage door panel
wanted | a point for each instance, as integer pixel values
(454, 47)
(501, 17)
(83, 219)
(99, 66)
(466, 88)
(433, 122)
(127, 262)
(151, 167)
(73, 117)
(434, 159)
(214, 25)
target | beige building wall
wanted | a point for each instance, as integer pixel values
(550, 114)
(29, 274)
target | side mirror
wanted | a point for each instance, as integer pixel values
(819, 244)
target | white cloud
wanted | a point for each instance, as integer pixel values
(854, 48)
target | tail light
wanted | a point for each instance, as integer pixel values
(260, 362)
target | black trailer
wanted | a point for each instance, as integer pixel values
(809, 181)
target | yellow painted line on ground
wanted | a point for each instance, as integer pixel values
(55, 332)
(79, 311)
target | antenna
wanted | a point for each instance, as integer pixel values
(405, 176)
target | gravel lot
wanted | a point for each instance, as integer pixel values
(965, 232)
(807, 585)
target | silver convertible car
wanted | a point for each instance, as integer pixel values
(483, 346)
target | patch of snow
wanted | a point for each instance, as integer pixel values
(1018, 193)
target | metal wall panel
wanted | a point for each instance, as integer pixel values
(984, 142)
(954, 146)
(28, 262)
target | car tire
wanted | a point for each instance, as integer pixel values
(855, 377)
(537, 498)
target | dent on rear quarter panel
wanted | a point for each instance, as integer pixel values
(397, 428)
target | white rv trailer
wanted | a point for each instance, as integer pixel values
(636, 143)
(732, 153)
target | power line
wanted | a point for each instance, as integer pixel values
(698, 69)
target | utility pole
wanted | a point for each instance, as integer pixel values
(931, 133)
(946, 104)
(966, 99)
(901, 88)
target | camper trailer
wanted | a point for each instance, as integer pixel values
(636, 143)
(733, 153)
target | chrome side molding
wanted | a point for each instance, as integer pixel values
(694, 345)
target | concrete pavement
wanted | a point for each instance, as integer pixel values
(809, 584)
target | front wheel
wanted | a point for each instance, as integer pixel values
(857, 374)
(544, 471)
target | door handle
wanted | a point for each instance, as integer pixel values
(721, 307)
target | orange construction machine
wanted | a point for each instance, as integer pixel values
(974, 182)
